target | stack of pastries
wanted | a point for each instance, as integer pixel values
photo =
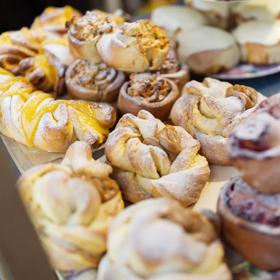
(159, 154)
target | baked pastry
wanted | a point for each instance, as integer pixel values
(159, 239)
(173, 70)
(93, 81)
(251, 223)
(35, 119)
(176, 18)
(217, 13)
(255, 147)
(259, 41)
(151, 159)
(85, 32)
(150, 92)
(208, 50)
(53, 20)
(134, 47)
(72, 205)
(210, 110)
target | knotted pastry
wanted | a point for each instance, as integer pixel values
(134, 47)
(85, 32)
(255, 147)
(72, 205)
(150, 92)
(53, 20)
(259, 41)
(93, 81)
(151, 159)
(158, 239)
(35, 119)
(210, 110)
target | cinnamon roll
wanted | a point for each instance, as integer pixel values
(151, 159)
(159, 239)
(150, 92)
(72, 205)
(85, 32)
(93, 81)
(134, 47)
(210, 110)
(255, 147)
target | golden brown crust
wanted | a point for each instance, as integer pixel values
(149, 92)
(139, 245)
(93, 81)
(71, 205)
(151, 159)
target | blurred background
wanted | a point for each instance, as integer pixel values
(17, 13)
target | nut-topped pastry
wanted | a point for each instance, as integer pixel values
(151, 159)
(72, 205)
(255, 147)
(35, 119)
(134, 47)
(93, 81)
(85, 32)
(210, 110)
(148, 91)
(159, 239)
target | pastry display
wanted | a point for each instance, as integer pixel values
(255, 146)
(151, 159)
(179, 18)
(85, 32)
(134, 47)
(208, 50)
(93, 81)
(35, 119)
(150, 92)
(210, 110)
(259, 41)
(72, 205)
(159, 239)
(251, 223)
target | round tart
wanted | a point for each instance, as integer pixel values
(259, 41)
(251, 223)
(208, 50)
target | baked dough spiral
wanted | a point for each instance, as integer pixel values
(151, 159)
(210, 110)
(158, 239)
(72, 205)
(35, 119)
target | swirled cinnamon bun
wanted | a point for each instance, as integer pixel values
(150, 92)
(210, 110)
(255, 147)
(159, 239)
(72, 205)
(151, 159)
(85, 32)
(134, 47)
(93, 81)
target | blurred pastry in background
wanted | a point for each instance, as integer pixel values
(159, 239)
(72, 205)
(210, 110)
(174, 19)
(208, 50)
(148, 91)
(134, 47)
(259, 41)
(93, 81)
(151, 159)
(216, 12)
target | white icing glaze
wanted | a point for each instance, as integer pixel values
(259, 32)
(221, 8)
(204, 38)
(176, 18)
